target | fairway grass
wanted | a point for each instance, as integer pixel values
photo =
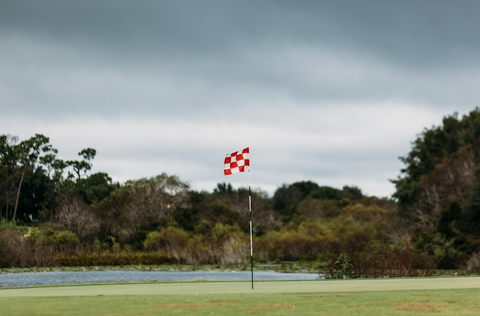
(416, 296)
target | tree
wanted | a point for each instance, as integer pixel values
(430, 148)
(96, 187)
(8, 165)
(288, 198)
(76, 216)
(34, 195)
(133, 205)
(438, 189)
(53, 169)
(85, 165)
(28, 153)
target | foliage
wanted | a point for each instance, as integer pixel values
(83, 165)
(32, 178)
(429, 150)
(342, 268)
(59, 242)
(126, 212)
(12, 249)
(169, 239)
(438, 189)
(315, 209)
(223, 244)
(75, 215)
(447, 252)
(4, 224)
(381, 260)
(96, 187)
(115, 259)
(347, 232)
(288, 198)
(473, 263)
(33, 246)
(70, 213)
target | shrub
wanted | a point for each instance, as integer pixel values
(170, 240)
(116, 259)
(60, 242)
(26, 247)
(380, 260)
(473, 263)
(13, 249)
(229, 244)
(342, 268)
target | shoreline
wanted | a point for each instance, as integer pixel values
(281, 268)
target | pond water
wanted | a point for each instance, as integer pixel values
(71, 277)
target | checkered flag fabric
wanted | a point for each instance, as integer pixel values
(238, 161)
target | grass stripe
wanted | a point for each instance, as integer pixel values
(202, 288)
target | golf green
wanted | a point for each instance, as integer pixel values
(412, 296)
(176, 288)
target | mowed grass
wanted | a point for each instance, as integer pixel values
(234, 298)
(442, 302)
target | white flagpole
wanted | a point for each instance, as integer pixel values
(250, 209)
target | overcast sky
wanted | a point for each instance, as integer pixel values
(328, 91)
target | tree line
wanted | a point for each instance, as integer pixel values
(56, 212)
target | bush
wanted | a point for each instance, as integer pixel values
(448, 253)
(473, 263)
(116, 259)
(59, 242)
(26, 247)
(13, 249)
(170, 240)
(380, 260)
(342, 268)
(229, 244)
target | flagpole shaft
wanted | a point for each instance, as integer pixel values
(251, 239)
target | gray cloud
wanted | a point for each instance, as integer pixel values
(406, 31)
(331, 91)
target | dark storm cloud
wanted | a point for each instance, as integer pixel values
(190, 54)
(331, 91)
(424, 32)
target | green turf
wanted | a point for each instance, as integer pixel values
(442, 302)
(170, 288)
(421, 296)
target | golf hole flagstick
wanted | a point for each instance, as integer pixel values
(235, 162)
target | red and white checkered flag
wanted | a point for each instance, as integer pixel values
(238, 161)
